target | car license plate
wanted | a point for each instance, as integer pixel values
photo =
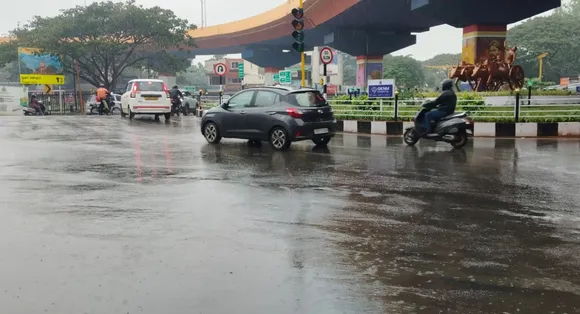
(321, 131)
(150, 98)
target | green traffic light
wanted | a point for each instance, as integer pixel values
(298, 35)
(299, 47)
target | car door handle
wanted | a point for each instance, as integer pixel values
(242, 112)
(272, 112)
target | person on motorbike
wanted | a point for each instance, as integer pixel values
(35, 105)
(102, 94)
(445, 105)
(176, 96)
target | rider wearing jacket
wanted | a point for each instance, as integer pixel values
(35, 105)
(102, 94)
(445, 105)
(175, 95)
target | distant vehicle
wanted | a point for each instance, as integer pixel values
(189, 103)
(146, 96)
(28, 111)
(92, 107)
(278, 115)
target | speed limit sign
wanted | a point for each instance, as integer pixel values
(326, 55)
(220, 69)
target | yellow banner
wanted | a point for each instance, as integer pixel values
(41, 79)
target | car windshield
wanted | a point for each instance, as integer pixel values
(150, 86)
(306, 99)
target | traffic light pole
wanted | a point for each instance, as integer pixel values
(302, 56)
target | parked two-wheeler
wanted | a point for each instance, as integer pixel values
(29, 111)
(453, 129)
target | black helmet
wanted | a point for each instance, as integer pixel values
(447, 85)
(175, 87)
(32, 96)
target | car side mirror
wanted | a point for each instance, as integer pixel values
(225, 105)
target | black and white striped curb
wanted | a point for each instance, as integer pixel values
(482, 129)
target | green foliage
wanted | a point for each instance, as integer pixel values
(193, 76)
(105, 38)
(348, 69)
(434, 77)
(556, 34)
(407, 72)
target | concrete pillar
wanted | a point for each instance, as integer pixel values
(368, 68)
(481, 42)
(269, 75)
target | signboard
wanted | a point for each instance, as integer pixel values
(12, 99)
(331, 89)
(37, 69)
(384, 88)
(285, 77)
(190, 89)
(326, 55)
(48, 89)
(220, 69)
(276, 78)
(241, 70)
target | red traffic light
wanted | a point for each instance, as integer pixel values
(298, 13)
(298, 25)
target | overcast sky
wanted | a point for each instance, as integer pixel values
(223, 11)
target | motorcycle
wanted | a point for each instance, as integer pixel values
(176, 106)
(453, 129)
(28, 111)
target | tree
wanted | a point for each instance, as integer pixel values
(434, 76)
(556, 34)
(406, 71)
(105, 38)
(216, 57)
(194, 76)
(348, 69)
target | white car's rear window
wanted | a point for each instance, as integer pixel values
(149, 86)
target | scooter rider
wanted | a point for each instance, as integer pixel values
(35, 105)
(102, 93)
(445, 105)
(176, 96)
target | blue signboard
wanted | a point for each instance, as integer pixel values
(381, 88)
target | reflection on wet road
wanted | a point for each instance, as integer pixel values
(100, 215)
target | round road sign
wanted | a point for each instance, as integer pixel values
(326, 55)
(220, 69)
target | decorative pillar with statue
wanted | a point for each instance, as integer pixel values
(487, 64)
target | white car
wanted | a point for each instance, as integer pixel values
(146, 96)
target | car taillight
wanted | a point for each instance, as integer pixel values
(294, 113)
(134, 90)
(166, 90)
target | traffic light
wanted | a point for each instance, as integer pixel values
(298, 34)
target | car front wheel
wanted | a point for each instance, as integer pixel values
(211, 133)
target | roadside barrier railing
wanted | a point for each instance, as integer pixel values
(515, 110)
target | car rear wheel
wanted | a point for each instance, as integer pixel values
(279, 139)
(321, 141)
(186, 110)
(167, 115)
(131, 113)
(211, 133)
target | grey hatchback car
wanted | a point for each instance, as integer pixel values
(277, 115)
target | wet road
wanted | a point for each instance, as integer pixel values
(102, 216)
